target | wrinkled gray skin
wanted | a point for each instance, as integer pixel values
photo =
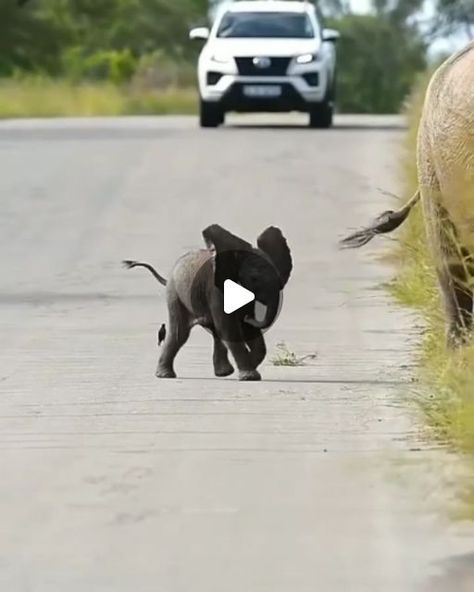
(195, 297)
(445, 159)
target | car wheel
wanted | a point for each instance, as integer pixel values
(321, 116)
(333, 90)
(210, 114)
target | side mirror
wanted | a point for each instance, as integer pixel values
(331, 35)
(199, 33)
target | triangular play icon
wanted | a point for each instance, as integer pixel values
(235, 296)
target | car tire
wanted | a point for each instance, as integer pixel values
(332, 93)
(321, 115)
(210, 114)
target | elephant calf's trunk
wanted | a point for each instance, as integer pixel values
(264, 315)
(385, 223)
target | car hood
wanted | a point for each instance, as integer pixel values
(251, 47)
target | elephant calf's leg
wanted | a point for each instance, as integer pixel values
(178, 333)
(256, 345)
(222, 366)
(230, 331)
(243, 359)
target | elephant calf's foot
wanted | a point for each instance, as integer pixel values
(165, 373)
(249, 375)
(224, 370)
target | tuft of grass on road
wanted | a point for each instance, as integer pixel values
(285, 357)
(447, 378)
(42, 97)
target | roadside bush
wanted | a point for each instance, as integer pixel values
(156, 70)
(377, 63)
(113, 66)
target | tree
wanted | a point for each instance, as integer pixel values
(455, 15)
(36, 35)
(28, 40)
(378, 63)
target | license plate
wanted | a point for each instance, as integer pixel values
(263, 92)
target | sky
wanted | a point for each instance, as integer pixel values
(360, 5)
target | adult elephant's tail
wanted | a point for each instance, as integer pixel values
(131, 264)
(386, 222)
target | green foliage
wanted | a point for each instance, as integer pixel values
(43, 35)
(29, 40)
(115, 66)
(158, 70)
(378, 63)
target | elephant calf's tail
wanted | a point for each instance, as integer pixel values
(386, 222)
(151, 269)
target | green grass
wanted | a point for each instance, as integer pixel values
(42, 97)
(447, 378)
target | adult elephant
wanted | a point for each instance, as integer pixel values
(195, 297)
(445, 157)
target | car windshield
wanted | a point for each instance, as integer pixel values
(288, 25)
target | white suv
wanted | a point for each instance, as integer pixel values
(267, 55)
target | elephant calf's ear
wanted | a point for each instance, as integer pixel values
(227, 249)
(220, 239)
(274, 244)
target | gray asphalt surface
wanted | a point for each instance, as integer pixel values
(316, 479)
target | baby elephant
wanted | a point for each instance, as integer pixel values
(195, 296)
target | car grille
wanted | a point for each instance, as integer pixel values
(277, 67)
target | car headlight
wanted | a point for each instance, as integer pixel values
(221, 58)
(306, 58)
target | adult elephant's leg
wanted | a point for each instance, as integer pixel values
(256, 344)
(222, 366)
(458, 302)
(177, 335)
(453, 269)
(454, 279)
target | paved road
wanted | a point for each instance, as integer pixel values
(316, 479)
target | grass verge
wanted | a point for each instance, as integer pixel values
(447, 377)
(40, 97)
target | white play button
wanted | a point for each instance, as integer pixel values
(235, 296)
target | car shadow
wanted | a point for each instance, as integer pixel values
(302, 127)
